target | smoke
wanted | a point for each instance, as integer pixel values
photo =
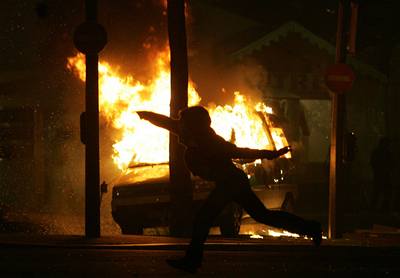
(217, 81)
(68, 176)
(62, 206)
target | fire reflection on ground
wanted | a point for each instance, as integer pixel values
(251, 230)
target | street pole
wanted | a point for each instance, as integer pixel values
(180, 190)
(337, 130)
(90, 38)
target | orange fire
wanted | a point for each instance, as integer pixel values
(139, 141)
(241, 118)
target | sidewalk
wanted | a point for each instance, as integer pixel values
(243, 242)
(71, 236)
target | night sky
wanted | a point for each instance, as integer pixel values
(34, 33)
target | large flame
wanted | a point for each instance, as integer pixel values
(139, 141)
(120, 97)
(241, 121)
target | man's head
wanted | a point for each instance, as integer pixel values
(194, 120)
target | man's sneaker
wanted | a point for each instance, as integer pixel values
(184, 264)
(315, 232)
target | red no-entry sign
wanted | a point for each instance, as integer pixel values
(339, 78)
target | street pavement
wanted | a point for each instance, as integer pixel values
(362, 254)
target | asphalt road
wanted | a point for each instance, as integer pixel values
(220, 261)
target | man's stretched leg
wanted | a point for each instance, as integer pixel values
(280, 219)
(205, 217)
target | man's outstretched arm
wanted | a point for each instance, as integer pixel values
(232, 151)
(255, 154)
(159, 120)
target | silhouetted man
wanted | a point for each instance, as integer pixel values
(209, 156)
(382, 166)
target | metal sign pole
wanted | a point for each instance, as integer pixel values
(338, 127)
(92, 178)
(90, 38)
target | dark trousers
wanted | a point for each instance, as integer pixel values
(236, 188)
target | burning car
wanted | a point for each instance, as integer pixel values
(143, 202)
(141, 199)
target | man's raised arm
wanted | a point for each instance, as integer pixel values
(255, 154)
(159, 120)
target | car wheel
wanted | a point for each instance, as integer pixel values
(231, 220)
